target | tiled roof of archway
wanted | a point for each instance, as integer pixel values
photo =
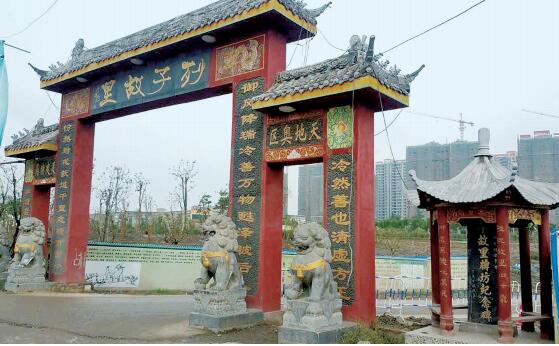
(213, 13)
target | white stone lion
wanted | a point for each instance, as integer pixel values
(28, 250)
(5, 255)
(312, 274)
(218, 257)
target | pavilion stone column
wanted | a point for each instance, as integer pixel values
(445, 283)
(546, 326)
(526, 273)
(503, 276)
(435, 292)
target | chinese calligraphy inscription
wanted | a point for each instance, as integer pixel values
(247, 161)
(182, 74)
(62, 195)
(340, 212)
(482, 274)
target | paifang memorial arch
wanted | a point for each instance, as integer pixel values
(319, 113)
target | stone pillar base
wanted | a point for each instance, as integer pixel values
(68, 287)
(327, 335)
(447, 323)
(506, 332)
(435, 318)
(223, 323)
(26, 279)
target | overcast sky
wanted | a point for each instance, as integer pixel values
(489, 64)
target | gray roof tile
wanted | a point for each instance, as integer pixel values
(358, 61)
(483, 179)
(39, 135)
(204, 16)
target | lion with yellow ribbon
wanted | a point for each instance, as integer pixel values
(219, 261)
(311, 271)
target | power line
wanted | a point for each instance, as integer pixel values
(391, 123)
(51, 101)
(33, 21)
(540, 113)
(434, 27)
(329, 43)
(21, 49)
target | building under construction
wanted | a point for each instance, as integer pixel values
(538, 159)
(434, 161)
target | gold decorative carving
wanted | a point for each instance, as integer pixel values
(516, 214)
(29, 168)
(76, 103)
(278, 155)
(488, 215)
(239, 58)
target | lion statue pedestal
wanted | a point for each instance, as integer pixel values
(220, 294)
(313, 310)
(5, 256)
(27, 268)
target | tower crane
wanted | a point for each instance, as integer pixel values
(540, 113)
(462, 123)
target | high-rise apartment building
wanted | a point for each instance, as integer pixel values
(391, 200)
(311, 192)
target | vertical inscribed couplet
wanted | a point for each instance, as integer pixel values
(62, 195)
(247, 177)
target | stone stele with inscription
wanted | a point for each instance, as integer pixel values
(219, 293)
(27, 268)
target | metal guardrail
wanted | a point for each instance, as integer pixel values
(398, 294)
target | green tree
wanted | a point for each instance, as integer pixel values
(222, 204)
(205, 206)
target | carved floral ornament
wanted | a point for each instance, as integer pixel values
(489, 215)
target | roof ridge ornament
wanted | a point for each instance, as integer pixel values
(316, 12)
(514, 172)
(484, 137)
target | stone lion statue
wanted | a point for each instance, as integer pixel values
(311, 271)
(218, 255)
(28, 250)
(5, 255)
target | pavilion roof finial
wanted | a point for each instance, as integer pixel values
(484, 137)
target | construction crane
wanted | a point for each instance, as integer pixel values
(540, 113)
(462, 123)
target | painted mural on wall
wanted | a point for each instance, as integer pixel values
(179, 75)
(62, 195)
(240, 58)
(247, 178)
(340, 127)
(482, 275)
(340, 215)
(113, 274)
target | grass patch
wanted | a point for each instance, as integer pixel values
(163, 292)
(373, 335)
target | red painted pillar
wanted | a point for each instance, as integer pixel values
(503, 277)
(547, 330)
(268, 296)
(74, 170)
(526, 274)
(40, 201)
(435, 292)
(445, 279)
(363, 308)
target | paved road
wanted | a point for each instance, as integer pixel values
(67, 318)
(99, 318)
